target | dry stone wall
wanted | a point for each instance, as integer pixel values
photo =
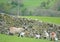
(35, 26)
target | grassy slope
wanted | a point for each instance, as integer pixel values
(6, 38)
(34, 3)
(55, 20)
(3, 1)
(30, 3)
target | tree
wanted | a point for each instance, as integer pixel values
(43, 5)
(25, 12)
(5, 7)
(56, 5)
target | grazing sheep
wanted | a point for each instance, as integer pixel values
(37, 36)
(46, 35)
(14, 30)
(52, 35)
(21, 34)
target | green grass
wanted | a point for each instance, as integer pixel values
(3, 1)
(54, 20)
(31, 3)
(34, 3)
(7, 38)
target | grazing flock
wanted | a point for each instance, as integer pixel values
(30, 28)
(22, 31)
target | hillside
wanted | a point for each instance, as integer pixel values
(30, 7)
(32, 3)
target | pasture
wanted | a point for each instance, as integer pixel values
(34, 3)
(7, 38)
(30, 3)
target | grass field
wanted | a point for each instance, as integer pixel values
(30, 3)
(34, 3)
(54, 20)
(7, 38)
